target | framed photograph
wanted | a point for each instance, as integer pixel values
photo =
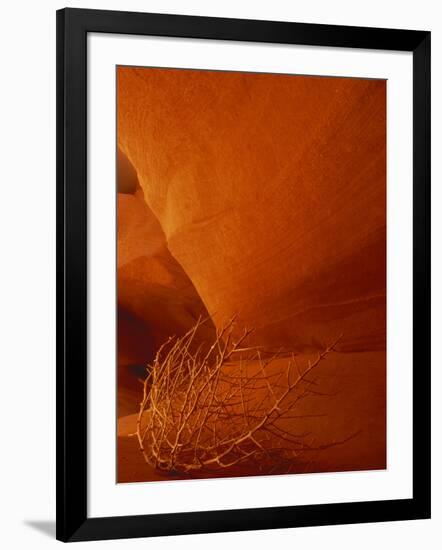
(243, 274)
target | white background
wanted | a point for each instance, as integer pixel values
(27, 294)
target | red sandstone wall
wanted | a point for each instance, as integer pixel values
(270, 191)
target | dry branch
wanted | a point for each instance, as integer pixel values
(215, 408)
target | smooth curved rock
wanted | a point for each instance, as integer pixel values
(156, 299)
(271, 192)
(127, 178)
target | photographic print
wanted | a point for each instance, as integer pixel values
(251, 274)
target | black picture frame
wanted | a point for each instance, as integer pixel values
(73, 25)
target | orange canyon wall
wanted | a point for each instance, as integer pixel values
(270, 192)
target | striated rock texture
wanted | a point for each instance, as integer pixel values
(156, 299)
(270, 191)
